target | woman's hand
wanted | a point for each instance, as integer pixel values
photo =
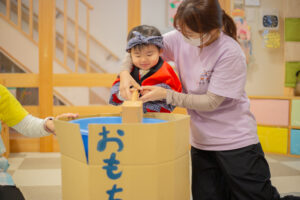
(126, 82)
(50, 125)
(153, 93)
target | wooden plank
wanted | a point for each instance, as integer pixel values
(87, 110)
(226, 5)
(270, 97)
(88, 80)
(22, 144)
(16, 27)
(31, 18)
(33, 110)
(59, 80)
(46, 35)
(65, 32)
(134, 13)
(20, 80)
(19, 14)
(76, 34)
(5, 139)
(8, 9)
(87, 40)
(89, 6)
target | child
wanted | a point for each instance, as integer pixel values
(15, 116)
(145, 45)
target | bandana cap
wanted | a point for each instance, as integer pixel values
(140, 39)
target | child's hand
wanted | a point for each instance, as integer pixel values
(126, 81)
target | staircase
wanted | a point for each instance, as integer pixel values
(74, 53)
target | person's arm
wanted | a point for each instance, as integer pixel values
(32, 127)
(205, 102)
(115, 96)
(159, 105)
(126, 80)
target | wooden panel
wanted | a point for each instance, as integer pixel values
(134, 13)
(60, 80)
(273, 140)
(5, 138)
(89, 80)
(295, 115)
(20, 80)
(291, 8)
(226, 5)
(86, 110)
(295, 142)
(46, 42)
(270, 112)
(292, 50)
(22, 144)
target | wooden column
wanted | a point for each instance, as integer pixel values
(226, 5)
(134, 13)
(46, 36)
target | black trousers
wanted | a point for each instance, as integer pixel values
(241, 174)
(8, 192)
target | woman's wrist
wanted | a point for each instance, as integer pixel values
(49, 125)
(169, 94)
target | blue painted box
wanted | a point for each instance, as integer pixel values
(295, 141)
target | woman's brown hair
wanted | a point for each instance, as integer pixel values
(202, 16)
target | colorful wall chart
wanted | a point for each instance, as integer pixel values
(243, 32)
(172, 8)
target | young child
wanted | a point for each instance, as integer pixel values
(14, 115)
(145, 45)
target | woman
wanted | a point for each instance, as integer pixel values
(15, 116)
(227, 159)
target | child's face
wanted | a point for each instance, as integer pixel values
(145, 57)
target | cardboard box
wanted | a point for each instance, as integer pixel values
(126, 161)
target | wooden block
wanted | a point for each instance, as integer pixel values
(132, 111)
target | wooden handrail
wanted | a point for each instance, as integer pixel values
(65, 49)
(89, 6)
(19, 14)
(76, 34)
(87, 40)
(8, 9)
(35, 27)
(91, 36)
(28, 71)
(81, 54)
(59, 80)
(31, 18)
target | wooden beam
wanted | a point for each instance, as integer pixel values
(31, 18)
(84, 80)
(134, 13)
(8, 9)
(226, 5)
(20, 14)
(20, 80)
(46, 36)
(59, 80)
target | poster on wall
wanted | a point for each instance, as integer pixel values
(243, 30)
(172, 8)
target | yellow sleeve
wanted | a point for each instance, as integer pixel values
(11, 111)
